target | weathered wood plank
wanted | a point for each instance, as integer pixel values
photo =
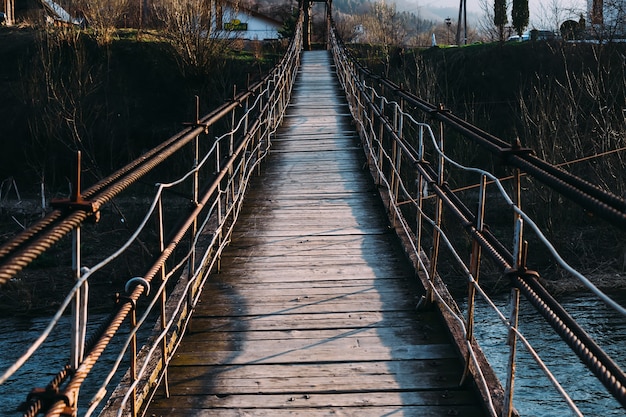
(211, 320)
(198, 383)
(410, 400)
(411, 334)
(331, 352)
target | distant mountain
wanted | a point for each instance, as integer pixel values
(434, 14)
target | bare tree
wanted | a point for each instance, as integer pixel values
(383, 25)
(194, 28)
(553, 13)
(61, 85)
(487, 30)
(103, 16)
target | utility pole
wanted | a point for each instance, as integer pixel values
(9, 11)
(462, 22)
(597, 12)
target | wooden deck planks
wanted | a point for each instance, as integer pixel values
(313, 313)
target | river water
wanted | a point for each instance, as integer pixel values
(534, 394)
(17, 334)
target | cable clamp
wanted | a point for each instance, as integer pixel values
(515, 149)
(133, 282)
(48, 396)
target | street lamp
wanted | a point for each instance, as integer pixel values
(448, 24)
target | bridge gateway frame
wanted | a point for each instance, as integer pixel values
(306, 7)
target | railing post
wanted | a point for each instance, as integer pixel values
(507, 410)
(519, 222)
(474, 269)
(438, 210)
(133, 360)
(421, 191)
(163, 297)
(394, 159)
(519, 256)
(79, 306)
(219, 204)
(195, 189)
(399, 129)
(233, 120)
(381, 132)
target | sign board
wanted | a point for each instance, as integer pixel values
(235, 25)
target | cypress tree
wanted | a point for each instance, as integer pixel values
(499, 17)
(520, 15)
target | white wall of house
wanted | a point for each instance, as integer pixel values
(251, 27)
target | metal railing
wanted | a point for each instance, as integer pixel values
(188, 223)
(408, 162)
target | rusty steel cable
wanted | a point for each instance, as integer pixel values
(35, 403)
(38, 399)
(605, 369)
(71, 390)
(601, 364)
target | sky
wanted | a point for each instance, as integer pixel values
(537, 8)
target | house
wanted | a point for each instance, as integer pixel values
(238, 21)
(49, 10)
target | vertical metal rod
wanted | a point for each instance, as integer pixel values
(163, 297)
(512, 342)
(76, 335)
(233, 118)
(246, 110)
(194, 226)
(219, 208)
(420, 190)
(519, 222)
(396, 190)
(79, 305)
(133, 360)
(394, 168)
(420, 202)
(475, 257)
(438, 212)
(195, 191)
(381, 132)
(258, 140)
(474, 269)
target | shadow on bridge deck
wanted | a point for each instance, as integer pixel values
(313, 312)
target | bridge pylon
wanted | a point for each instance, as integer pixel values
(306, 6)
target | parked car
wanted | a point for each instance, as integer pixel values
(533, 35)
(516, 38)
